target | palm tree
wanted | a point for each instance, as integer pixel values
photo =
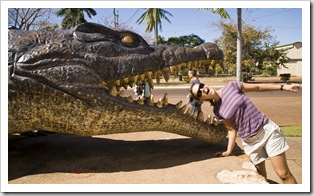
(74, 16)
(153, 17)
(221, 11)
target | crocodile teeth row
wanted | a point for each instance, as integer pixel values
(166, 72)
(164, 102)
(173, 70)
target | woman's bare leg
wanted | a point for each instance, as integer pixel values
(261, 169)
(281, 168)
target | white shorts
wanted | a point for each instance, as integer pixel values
(268, 142)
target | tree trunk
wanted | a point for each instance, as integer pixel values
(156, 29)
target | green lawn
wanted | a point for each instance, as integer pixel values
(292, 131)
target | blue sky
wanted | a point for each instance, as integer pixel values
(286, 22)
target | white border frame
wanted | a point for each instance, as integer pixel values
(304, 187)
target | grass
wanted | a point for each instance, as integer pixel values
(291, 131)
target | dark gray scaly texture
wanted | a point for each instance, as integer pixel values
(72, 82)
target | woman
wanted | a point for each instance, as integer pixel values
(262, 138)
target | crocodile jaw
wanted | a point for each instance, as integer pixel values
(103, 109)
(69, 86)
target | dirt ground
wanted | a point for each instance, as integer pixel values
(138, 158)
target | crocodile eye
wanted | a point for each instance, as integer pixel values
(127, 39)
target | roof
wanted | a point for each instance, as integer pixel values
(286, 45)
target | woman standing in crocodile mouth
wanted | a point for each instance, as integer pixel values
(262, 138)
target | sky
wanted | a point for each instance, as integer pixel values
(285, 22)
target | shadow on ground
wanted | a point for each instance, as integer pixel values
(75, 154)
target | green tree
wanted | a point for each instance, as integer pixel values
(74, 16)
(153, 16)
(191, 40)
(258, 48)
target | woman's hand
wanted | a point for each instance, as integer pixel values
(223, 154)
(292, 87)
(232, 134)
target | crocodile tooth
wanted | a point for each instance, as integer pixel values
(172, 70)
(149, 75)
(155, 73)
(198, 63)
(165, 99)
(179, 104)
(215, 121)
(165, 74)
(131, 80)
(213, 63)
(132, 84)
(151, 83)
(117, 83)
(125, 80)
(111, 84)
(195, 114)
(159, 103)
(158, 78)
(135, 78)
(141, 77)
(121, 82)
(125, 86)
(200, 116)
(175, 74)
(151, 101)
(181, 66)
(208, 119)
(114, 91)
(207, 68)
(122, 93)
(130, 98)
(140, 100)
(222, 65)
(177, 67)
(184, 109)
(189, 65)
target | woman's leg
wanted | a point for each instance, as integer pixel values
(261, 169)
(281, 168)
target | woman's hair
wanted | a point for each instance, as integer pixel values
(193, 96)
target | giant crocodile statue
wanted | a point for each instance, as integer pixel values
(72, 82)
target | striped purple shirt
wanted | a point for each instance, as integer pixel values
(236, 107)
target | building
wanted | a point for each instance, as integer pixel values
(294, 65)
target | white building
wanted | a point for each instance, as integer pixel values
(294, 65)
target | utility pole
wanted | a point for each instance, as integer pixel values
(239, 45)
(115, 19)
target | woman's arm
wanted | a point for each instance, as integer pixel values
(270, 87)
(232, 135)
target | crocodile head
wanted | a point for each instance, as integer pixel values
(73, 82)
